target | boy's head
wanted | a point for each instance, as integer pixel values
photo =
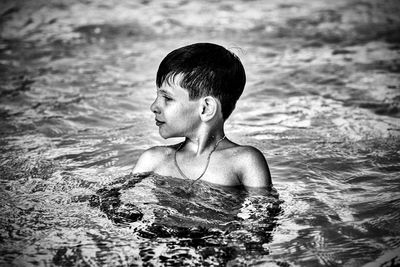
(206, 70)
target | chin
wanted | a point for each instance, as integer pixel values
(164, 135)
(167, 135)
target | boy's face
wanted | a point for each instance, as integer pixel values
(175, 114)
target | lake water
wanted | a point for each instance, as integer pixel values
(321, 102)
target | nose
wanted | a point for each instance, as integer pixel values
(154, 107)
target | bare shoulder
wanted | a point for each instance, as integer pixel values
(252, 166)
(151, 158)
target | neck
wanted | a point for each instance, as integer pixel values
(204, 141)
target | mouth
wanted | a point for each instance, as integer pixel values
(158, 122)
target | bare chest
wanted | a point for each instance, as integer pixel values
(220, 170)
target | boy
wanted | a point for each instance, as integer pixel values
(197, 89)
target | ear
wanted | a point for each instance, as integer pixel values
(208, 108)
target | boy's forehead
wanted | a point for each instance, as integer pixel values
(171, 85)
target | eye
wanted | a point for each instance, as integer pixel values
(167, 98)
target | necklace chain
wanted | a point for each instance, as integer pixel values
(208, 161)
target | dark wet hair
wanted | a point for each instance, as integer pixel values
(206, 69)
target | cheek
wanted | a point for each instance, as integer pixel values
(191, 116)
(181, 110)
(186, 114)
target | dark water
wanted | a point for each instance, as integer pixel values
(321, 103)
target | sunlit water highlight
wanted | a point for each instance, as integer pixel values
(321, 103)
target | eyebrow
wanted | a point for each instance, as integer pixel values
(164, 92)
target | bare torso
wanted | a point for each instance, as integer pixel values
(221, 168)
(230, 165)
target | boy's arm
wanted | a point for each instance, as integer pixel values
(254, 168)
(147, 161)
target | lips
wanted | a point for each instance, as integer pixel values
(158, 122)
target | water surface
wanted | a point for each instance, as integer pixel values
(321, 103)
